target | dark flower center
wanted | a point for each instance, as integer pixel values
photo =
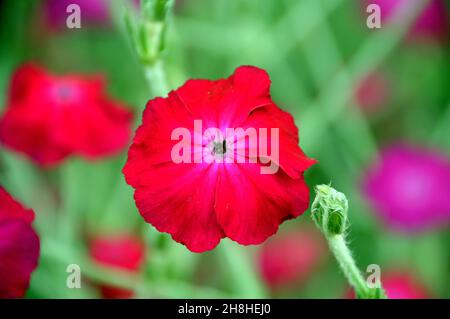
(65, 92)
(220, 148)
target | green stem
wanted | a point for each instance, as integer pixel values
(339, 91)
(442, 128)
(344, 257)
(358, 137)
(65, 254)
(71, 183)
(156, 78)
(243, 277)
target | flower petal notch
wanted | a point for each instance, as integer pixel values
(218, 159)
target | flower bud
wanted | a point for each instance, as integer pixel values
(148, 29)
(329, 210)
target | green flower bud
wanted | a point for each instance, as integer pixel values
(329, 210)
(147, 29)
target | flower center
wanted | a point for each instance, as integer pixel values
(219, 148)
(64, 92)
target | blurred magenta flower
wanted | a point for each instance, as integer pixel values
(200, 202)
(19, 247)
(50, 117)
(93, 12)
(118, 251)
(409, 187)
(289, 259)
(432, 22)
(372, 92)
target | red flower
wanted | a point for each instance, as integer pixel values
(19, 247)
(122, 252)
(208, 195)
(49, 117)
(291, 258)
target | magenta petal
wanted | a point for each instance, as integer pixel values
(19, 253)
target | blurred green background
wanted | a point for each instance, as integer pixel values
(316, 52)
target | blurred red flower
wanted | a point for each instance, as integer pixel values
(289, 259)
(400, 285)
(19, 247)
(199, 203)
(49, 117)
(123, 252)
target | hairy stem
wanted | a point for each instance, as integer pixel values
(344, 257)
(329, 211)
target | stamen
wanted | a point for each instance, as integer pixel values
(220, 148)
(63, 92)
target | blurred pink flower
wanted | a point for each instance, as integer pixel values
(372, 92)
(400, 285)
(92, 12)
(409, 187)
(290, 258)
(432, 22)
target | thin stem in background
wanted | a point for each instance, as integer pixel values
(441, 133)
(65, 255)
(244, 278)
(371, 54)
(360, 142)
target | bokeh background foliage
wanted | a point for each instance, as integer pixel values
(316, 52)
